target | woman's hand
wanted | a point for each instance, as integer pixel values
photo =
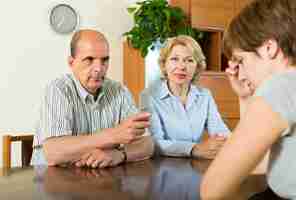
(208, 148)
(241, 86)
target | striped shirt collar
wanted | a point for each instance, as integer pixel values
(82, 91)
(165, 92)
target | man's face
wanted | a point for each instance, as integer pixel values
(90, 63)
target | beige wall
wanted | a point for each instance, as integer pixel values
(32, 54)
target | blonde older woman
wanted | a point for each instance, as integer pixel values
(182, 111)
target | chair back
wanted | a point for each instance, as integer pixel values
(26, 148)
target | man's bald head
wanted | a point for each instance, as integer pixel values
(85, 34)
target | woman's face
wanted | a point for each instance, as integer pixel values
(180, 65)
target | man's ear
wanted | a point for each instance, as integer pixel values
(70, 61)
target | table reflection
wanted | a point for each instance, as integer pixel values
(158, 179)
(175, 179)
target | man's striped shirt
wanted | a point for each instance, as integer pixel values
(68, 109)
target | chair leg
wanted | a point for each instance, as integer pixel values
(7, 151)
(26, 152)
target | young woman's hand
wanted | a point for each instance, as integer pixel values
(241, 86)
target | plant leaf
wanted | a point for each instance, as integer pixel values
(131, 10)
(156, 20)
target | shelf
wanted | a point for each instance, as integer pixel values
(212, 50)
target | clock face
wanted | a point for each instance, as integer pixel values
(63, 19)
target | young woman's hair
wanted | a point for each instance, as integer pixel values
(260, 21)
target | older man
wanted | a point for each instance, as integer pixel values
(87, 119)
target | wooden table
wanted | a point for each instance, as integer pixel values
(161, 178)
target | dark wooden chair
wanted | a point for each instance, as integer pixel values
(26, 143)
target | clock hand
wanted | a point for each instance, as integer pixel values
(61, 21)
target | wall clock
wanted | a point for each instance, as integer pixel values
(63, 19)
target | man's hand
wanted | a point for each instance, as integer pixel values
(241, 86)
(208, 148)
(131, 129)
(101, 158)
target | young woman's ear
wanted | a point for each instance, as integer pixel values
(269, 49)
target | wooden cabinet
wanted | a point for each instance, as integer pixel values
(133, 70)
(224, 96)
(211, 14)
(208, 15)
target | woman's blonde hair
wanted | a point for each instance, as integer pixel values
(185, 41)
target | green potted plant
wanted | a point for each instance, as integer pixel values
(155, 21)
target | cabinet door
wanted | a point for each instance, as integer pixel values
(225, 98)
(212, 14)
(133, 70)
